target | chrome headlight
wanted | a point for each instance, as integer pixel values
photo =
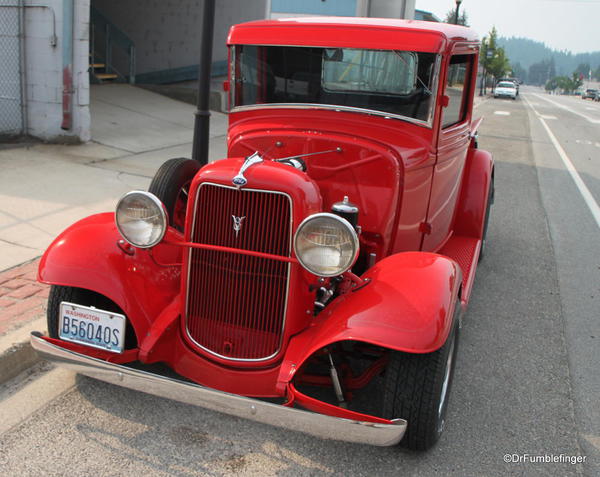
(326, 245)
(141, 219)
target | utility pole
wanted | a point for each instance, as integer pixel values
(458, 2)
(202, 119)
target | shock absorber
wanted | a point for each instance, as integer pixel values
(337, 385)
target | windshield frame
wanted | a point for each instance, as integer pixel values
(428, 123)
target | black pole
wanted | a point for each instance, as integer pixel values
(456, 18)
(202, 119)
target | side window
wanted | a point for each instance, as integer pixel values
(457, 89)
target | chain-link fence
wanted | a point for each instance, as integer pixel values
(11, 113)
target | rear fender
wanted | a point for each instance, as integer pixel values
(90, 254)
(407, 306)
(478, 177)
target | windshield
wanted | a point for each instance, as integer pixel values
(506, 85)
(383, 81)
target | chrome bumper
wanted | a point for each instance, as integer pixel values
(318, 425)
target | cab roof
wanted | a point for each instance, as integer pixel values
(352, 32)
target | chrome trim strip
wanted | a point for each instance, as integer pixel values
(318, 425)
(287, 290)
(435, 85)
(331, 107)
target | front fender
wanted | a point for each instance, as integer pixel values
(88, 255)
(407, 306)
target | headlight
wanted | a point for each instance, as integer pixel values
(326, 245)
(141, 219)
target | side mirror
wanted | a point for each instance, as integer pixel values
(445, 101)
(226, 86)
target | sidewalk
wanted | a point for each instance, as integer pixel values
(45, 188)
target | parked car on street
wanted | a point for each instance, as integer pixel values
(515, 81)
(505, 89)
(590, 94)
(315, 278)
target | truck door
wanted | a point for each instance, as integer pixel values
(453, 142)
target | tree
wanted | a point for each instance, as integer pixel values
(551, 84)
(576, 81)
(499, 65)
(541, 72)
(463, 19)
(519, 72)
(492, 57)
(583, 69)
(596, 73)
(568, 85)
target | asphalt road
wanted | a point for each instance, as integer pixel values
(526, 379)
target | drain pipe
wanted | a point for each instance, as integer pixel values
(202, 119)
(67, 60)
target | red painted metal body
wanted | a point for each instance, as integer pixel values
(239, 315)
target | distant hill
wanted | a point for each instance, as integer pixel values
(527, 52)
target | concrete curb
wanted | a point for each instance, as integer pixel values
(16, 353)
(22, 309)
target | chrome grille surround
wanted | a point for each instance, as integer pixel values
(194, 254)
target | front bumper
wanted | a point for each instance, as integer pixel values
(315, 424)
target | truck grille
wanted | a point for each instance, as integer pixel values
(236, 303)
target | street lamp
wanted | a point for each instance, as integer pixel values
(458, 2)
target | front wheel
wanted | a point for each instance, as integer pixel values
(417, 387)
(83, 297)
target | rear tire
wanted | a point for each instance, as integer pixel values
(171, 185)
(417, 387)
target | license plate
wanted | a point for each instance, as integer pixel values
(92, 327)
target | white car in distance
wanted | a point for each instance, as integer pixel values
(505, 89)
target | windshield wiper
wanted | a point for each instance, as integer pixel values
(298, 156)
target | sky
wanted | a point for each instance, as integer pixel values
(561, 24)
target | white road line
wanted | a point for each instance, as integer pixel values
(584, 116)
(584, 191)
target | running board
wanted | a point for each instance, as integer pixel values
(465, 252)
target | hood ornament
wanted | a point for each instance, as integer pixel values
(239, 180)
(237, 224)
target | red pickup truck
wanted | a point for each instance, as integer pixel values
(315, 278)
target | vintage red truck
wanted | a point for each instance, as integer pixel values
(315, 278)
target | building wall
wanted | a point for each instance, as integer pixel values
(392, 8)
(344, 8)
(167, 33)
(44, 75)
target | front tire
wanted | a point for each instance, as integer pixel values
(171, 185)
(81, 296)
(417, 387)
